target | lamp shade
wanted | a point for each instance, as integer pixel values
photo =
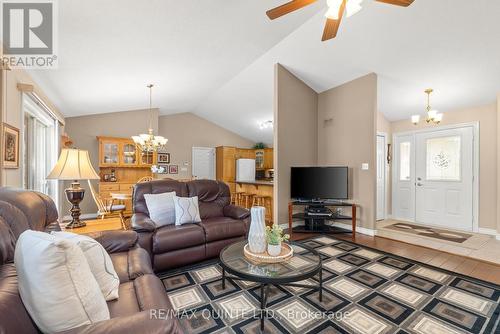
(73, 164)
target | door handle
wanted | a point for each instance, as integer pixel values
(419, 178)
(419, 184)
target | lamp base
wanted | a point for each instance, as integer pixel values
(74, 195)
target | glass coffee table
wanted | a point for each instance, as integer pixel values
(304, 264)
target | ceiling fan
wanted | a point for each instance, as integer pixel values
(335, 13)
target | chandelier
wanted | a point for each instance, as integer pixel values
(149, 142)
(432, 115)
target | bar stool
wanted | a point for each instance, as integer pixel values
(237, 198)
(247, 200)
(266, 202)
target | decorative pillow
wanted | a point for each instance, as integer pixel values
(99, 262)
(186, 210)
(161, 208)
(56, 284)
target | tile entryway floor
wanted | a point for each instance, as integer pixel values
(479, 246)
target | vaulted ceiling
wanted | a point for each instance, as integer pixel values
(215, 58)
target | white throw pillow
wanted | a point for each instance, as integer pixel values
(186, 210)
(161, 208)
(56, 284)
(99, 262)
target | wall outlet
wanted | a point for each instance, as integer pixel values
(365, 166)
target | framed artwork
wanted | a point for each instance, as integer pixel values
(10, 154)
(173, 169)
(163, 158)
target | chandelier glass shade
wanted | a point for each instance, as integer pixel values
(432, 115)
(149, 142)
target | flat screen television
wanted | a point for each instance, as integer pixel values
(319, 183)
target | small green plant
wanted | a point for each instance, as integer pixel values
(259, 146)
(274, 235)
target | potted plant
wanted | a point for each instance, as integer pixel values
(275, 236)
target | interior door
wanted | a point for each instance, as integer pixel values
(444, 178)
(203, 166)
(380, 177)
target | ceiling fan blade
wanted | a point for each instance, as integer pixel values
(288, 8)
(332, 26)
(404, 3)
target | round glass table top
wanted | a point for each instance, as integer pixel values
(304, 263)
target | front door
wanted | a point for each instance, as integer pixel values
(444, 178)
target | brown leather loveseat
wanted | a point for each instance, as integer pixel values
(173, 246)
(140, 290)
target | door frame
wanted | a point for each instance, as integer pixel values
(386, 174)
(193, 149)
(475, 164)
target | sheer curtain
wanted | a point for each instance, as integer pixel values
(41, 144)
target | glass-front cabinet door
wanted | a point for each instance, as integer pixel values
(147, 158)
(110, 153)
(129, 154)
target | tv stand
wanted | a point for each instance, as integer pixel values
(316, 218)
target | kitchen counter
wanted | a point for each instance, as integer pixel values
(257, 183)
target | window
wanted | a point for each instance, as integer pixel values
(443, 159)
(404, 161)
(40, 148)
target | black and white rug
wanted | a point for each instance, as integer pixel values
(365, 291)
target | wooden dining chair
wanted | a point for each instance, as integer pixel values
(145, 179)
(106, 208)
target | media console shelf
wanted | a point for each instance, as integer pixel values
(319, 223)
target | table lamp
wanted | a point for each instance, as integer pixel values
(74, 165)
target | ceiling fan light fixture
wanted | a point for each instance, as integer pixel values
(333, 9)
(352, 7)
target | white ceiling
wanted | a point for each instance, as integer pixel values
(219, 62)
(110, 50)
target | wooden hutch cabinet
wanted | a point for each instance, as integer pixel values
(120, 157)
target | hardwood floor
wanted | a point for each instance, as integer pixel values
(457, 263)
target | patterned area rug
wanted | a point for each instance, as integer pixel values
(365, 291)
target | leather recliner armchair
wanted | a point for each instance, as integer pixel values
(140, 290)
(173, 246)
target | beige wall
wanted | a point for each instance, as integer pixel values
(347, 137)
(384, 126)
(185, 131)
(487, 118)
(182, 130)
(13, 115)
(295, 139)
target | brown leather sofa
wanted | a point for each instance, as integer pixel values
(140, 290)
(173, 246)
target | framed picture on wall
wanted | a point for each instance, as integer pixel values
(163, 158)
(10, 154)
(173, 169)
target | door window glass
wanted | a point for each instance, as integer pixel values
(443, 159)
(404, 161)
